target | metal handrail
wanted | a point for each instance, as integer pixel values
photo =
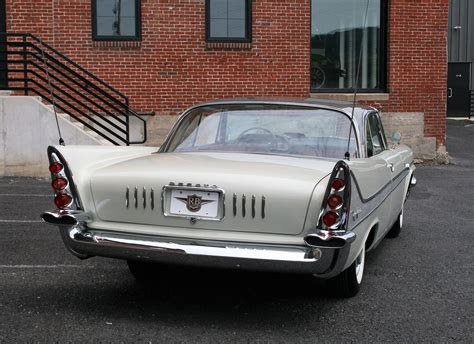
(31, 63)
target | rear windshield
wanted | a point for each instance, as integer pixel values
(264, 129)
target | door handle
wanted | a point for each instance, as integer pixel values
(450, 92)
(390, 166)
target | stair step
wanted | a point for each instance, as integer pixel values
(65, 116)
(5, 93)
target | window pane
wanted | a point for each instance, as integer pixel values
(265, 130)
(237, 9)
(116, 18)
(219, 28)
(128, 8)
(236, 28)
(105, 8)
(337, 35)
(218, 9)
(227, 19)
(106, 26)
(127, 26)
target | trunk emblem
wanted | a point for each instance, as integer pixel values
(194, 202)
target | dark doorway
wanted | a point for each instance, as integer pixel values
(458, 89)
(3, 55)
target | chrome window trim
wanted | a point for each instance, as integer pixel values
(172, 132)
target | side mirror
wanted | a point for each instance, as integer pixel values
(396, 137)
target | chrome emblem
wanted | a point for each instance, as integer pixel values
(194, 202)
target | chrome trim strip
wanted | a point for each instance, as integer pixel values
(152, 199)
(234, 204)
(127, 196)
(365, 200)
(253, 206)
(263, 207)
(135, 197)
(294, 255)
(376, 207)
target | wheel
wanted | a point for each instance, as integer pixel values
(347, 283)
(397, 227)
(143, 271)
(318, 77)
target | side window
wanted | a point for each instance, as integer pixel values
(375, 136)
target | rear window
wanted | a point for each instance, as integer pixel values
(265, 129)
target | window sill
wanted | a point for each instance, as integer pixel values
(350, 96)
(117, 45)
(228, 46)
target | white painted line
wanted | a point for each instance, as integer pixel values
(25, 195)
(21, 221)
(59, 266)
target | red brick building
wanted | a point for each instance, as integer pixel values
(169, 54)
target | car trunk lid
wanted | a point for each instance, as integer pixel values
(239, 192)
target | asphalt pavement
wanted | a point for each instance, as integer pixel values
(417, 288)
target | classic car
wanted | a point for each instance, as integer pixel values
(299, 186)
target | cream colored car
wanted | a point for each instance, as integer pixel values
(291, 186)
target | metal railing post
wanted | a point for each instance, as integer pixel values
(25, 67)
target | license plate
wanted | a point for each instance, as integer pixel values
(194, 203)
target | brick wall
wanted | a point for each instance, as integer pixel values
(172, 68)
(418, 64)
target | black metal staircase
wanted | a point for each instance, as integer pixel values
(34, 67)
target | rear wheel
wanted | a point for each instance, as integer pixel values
(397, 227)
(347, 283)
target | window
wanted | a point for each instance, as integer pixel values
(337, 37)
(116, 19)
(228, 21)
(375, 135)
(264, 129)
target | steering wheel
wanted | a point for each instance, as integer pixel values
(246, 131)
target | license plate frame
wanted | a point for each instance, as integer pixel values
(193, 202)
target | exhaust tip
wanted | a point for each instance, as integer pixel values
(315, 241)
(58, 220)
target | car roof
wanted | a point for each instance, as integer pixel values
(337, 105)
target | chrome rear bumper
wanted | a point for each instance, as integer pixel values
(87, 242)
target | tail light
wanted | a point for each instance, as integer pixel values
(64, 190)
(63, 200)
(336, 205)
(56, 167)
(59, 183)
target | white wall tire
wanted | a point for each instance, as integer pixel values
(397, 227)
(347, 283)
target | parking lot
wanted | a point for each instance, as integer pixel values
(417, 288)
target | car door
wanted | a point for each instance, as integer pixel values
(377, 148)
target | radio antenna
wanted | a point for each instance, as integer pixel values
(347, 155)
(51, 93)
